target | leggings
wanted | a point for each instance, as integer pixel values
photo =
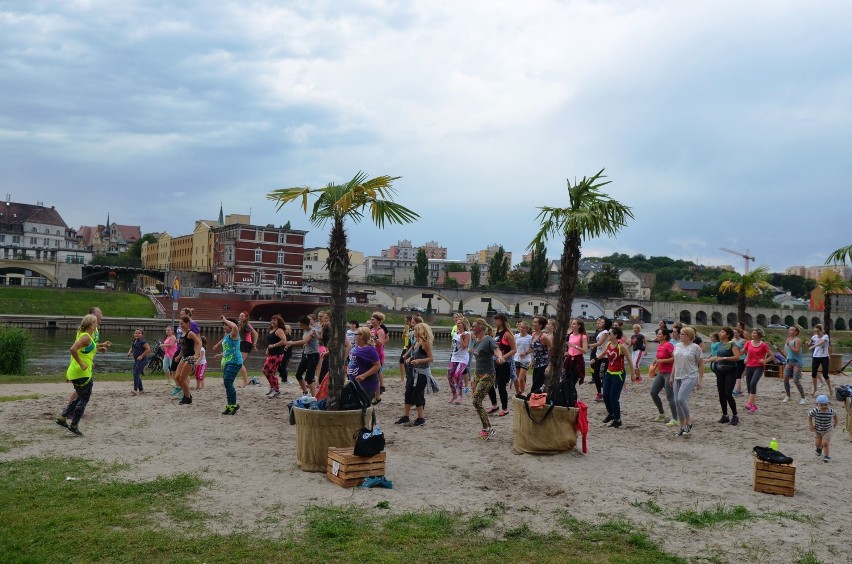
(793, 370)
(817, 362)
(682, 389)
(483, 384)
(76, 407)
(613, 383)
(455, 377)
(229, 374)
(538, 379)
(753, 374)
(598, 374)
(661, 380)
(726, 378)
(270, 370)
(504, 374)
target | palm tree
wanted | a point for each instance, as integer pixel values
(841, 255)
(338, 203)
(829, 283)
(590, 213)
(749, 285)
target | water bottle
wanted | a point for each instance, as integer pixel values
(773, 444)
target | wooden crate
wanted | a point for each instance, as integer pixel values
(348, 470)
(774, 371)
(774, 478)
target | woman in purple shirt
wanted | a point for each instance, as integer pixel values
(364, 362)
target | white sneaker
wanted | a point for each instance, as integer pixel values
(803, 401)
(673, 423)
(786, 399)
(269, 393)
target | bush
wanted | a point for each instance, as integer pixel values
(14, 350)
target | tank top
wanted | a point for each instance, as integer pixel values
(87, 355)
(615, 358)
(271, 339)
(795, 357)
(575, 340)
(231, 351)
(539, 353)
(460, 353)
(187, 345)
(501, 343)
(418, 353)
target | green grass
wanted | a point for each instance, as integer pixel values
(98, 518)
(69, 301)
(715, 516)
(8, 442)
(18, 398)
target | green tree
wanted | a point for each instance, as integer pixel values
(747, 286)
(498, 267)
(429, 306)
(455, 267)
(461, 306)
(538, 269)
(339, 203)
(830, 283)
(606, 284)
(450, 282)
(475, 275)
(421, 269)
(517, 309)
(590, 213)
(520, 278)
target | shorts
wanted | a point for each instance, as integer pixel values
(199, 371)
(521, 365)
(793, 369)
(246, 347)
(824, 435)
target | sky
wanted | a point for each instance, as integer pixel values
(720, 123)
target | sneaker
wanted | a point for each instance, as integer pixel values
(234, 408)
(186, 401)
(269, 393)
(753, 407)
(736, 393)
(681, 432)
(735, 420)
(803, 401)
(672, 423)
(786, 400)
(275, 394)
(228, 410)
(660, 418)
(133, 393)
(609, 418)
(520, 396)
(818, 452)
(175, 391)
(73, 428)
(615, 423)
(62, 422)
(492, 409)
(826, 458)
(402, 420)
(725, 419)
(466, 390)
(503, 412)
(689, 428)
(487, 433)
(419, 422)
(599, 398)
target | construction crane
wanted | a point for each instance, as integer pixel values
(745, 256)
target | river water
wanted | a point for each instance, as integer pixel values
(50, 353)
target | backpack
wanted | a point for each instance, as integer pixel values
(354, 396)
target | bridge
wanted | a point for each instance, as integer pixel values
(54, 273)
(447, 300)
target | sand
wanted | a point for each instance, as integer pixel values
(249, 463)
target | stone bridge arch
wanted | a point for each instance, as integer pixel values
(716, 319)
(45, 269)
(626, 309)
(685, 317)
(420, 298)
(701, 317)
(761, 320)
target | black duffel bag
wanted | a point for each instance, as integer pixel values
(766, 454)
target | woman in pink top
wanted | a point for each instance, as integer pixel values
(576, 346)
(169, 350)
(757, 355)
(662, 365)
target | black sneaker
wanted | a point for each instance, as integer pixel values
(73, 428)
(616, 423)
(229, 410)
(235, 408)
(62, 422)
(609, 417)
(724, 419)
(402, 420)
(418, 422)
(187, 400)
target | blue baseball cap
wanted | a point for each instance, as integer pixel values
(822, 399)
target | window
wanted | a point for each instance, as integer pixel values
(16, 239)
(279, 279)
(35, 230)
(280, 257)
(258, 235)
(257, 276)
(282, 238)
(2, 238)
(33, 241)
(258, 256)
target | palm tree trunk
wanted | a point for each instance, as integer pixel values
(567, 286)
(741, 306)
(338, 278)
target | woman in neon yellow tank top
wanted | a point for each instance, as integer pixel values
(79, 373)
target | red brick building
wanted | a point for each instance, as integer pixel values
(255, 258)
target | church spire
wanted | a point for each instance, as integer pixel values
(106, 228)
(221, 215)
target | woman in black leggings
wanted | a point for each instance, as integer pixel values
(599, 366)
(506, 343)
(725, 367)
(819, 348)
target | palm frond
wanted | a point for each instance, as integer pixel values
(841, 255)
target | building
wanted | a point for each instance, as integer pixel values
(37, 233)
(406, 251)
(483, 256)
(689, 287)
(314, 265)
(631, 281)
(389, 270)
(253, 258)
(110, 238)
(815, 272)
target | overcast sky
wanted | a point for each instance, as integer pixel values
(722, 124)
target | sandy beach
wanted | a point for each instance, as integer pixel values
(249, 463)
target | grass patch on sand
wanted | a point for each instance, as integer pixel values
(96, 517)
(19, 398)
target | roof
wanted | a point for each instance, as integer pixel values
(16, 213)
(461, 277)
(693, 285)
